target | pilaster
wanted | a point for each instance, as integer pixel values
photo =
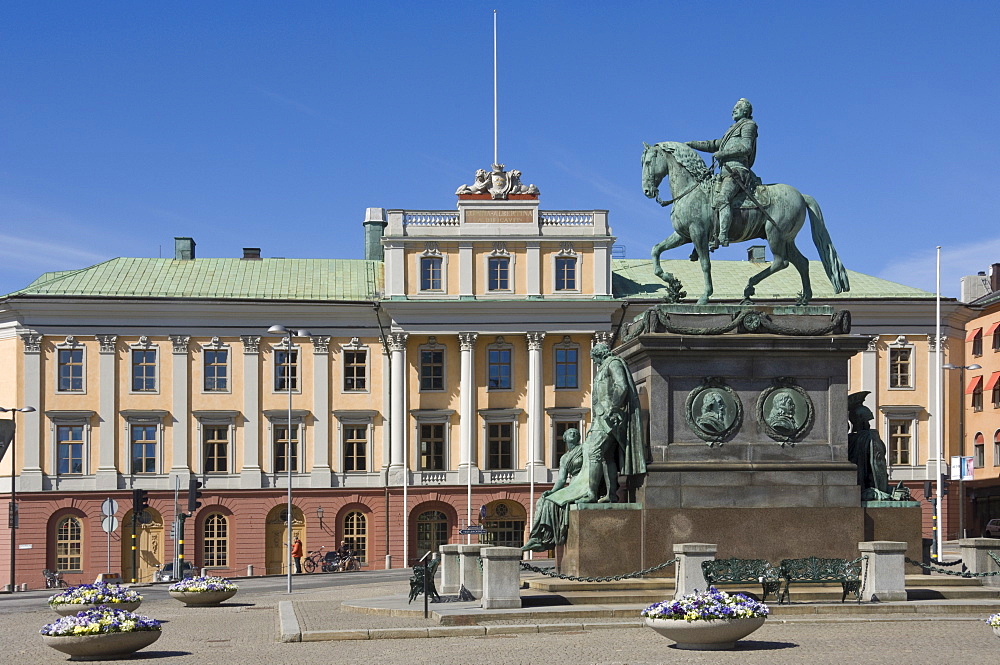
(321, 474)
(251, 476)
(397, 355)
(107, 477)
(30, 423)
(180, 463)
(536, 408)
(467, 469)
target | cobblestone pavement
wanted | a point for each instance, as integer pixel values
(245, 631)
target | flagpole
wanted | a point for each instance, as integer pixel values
(939, 412)
(495, 153)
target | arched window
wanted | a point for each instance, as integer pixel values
(215, 542)
(356, 534)
(69, 545)
(432, 531)
(979, 451)
(996, 448)
(504, 523)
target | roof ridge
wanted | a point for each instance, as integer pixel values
(63, 274)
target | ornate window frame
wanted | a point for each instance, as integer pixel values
(909, 413)
(217, 345)
(225, 419)
(499, 252)
(567, 344)
(432, 253)
(564, 415)
(499, 344)
(279, 418)
(355, 418)
(567, 252)
(284, 347)
(144, 417)
(59, 419)
(71, 343)
(355, 346)
(432, 345)
(901, 344)
(441, 417)
(144, 345)
(497, 417)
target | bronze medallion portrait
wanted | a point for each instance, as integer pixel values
(785, 411)
(713, 411)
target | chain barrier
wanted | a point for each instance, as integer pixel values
(938, 569)
(613, 578)
(949, 563)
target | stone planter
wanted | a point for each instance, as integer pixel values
(715, 635)
(105, 646)
(996, 630)
(202, 598)
(69, 609)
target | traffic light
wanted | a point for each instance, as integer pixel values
(944, 485)
(140, 501)
(193, 495)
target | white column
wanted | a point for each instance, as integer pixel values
(397, 409)
(180, 409)
(107, 469)
(467, 420)
(251, 476)
(321, 474)
(536, 407)
(29, 427)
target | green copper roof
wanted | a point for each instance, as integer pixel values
(633, 278)
(263, 279)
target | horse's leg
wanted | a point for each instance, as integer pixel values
(780, 262)
(700, 238)
(674, 240)
(801, 264)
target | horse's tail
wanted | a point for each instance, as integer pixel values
(835, 270)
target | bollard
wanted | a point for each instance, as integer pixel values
(883, 574)
(451, 580)
(976, 558)
(24, 586)
(250, 570)
(688, 567)
(470, 574)
(501, 577)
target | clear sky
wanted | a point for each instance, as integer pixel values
(275, 124)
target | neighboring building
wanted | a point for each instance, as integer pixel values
(980, 390)
(433, 390)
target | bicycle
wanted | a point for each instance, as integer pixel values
(349, 563)
(53, 580)
(327, 562)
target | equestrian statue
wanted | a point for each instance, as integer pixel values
(733, 206)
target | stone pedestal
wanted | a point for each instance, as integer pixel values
(883, 576)
(896, 521)
(451, 579)
(689, 559)
(470, 574)
(976, 558)
(501, 578)
(604, 539)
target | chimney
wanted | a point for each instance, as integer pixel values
(251, 253)
(755, 254)
(995, 278)
(374, 230)
(183, 249)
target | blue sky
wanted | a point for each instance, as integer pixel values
(274, 125)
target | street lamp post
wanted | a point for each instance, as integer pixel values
(961, 443)
(12, 520)
(288, 333)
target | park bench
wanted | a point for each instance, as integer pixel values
(742, 571)
(417, 581)
(814, 570)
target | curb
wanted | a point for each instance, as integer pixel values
(288, 623)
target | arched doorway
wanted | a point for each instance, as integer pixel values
(432, 531)
(149, 545)
(504, 523)
(276, 557)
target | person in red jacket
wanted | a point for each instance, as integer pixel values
(297, 554)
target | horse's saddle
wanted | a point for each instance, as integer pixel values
(759, 189)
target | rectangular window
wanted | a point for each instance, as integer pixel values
(977, 345)
(899, 368)
(355, 448)
(499, 369)
(996, 451)
(216, 447)
(566, 368)
(143, 370)
(430, 273)
(432, 369)
(71, 370)
(500, 446)
(432, 446)
(996, 395)
(499, 273)
(900, 440)
(355, 371)
(286, 370)
(996, 339)
(977, 397)
(559, 446)
(566, 273)
(286, 453)
(216, 370)
(143, 448)
(979, 455)
(69, 445)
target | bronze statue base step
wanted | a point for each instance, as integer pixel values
(789, 320)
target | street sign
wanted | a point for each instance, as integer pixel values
(109, 523)
(109, 507)
(473, 531)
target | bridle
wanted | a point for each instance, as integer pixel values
(687, 191)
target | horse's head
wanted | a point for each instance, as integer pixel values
(654, 167)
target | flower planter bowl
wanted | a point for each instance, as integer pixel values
(104, 646)
(714, 635)
(996, 630)
(69, 609)
(202, 598)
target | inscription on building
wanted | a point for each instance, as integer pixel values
(498, 216)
